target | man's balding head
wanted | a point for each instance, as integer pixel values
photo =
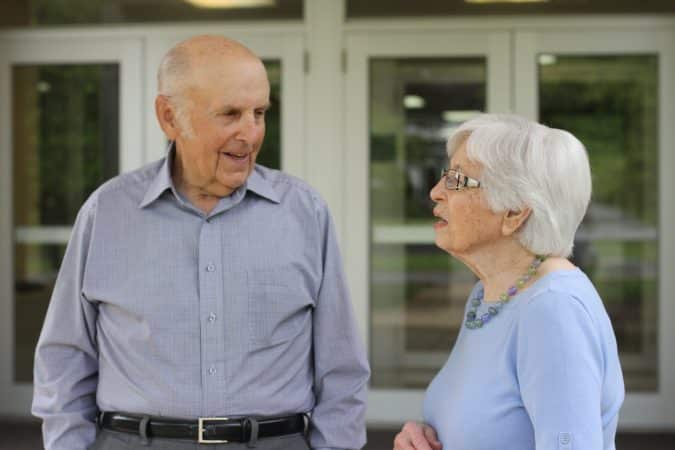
(213, 95)
(176, 70)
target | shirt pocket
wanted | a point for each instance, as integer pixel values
(279, 307)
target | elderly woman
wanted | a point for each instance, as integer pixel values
(535, 365)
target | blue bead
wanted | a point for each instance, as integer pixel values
(485, 317)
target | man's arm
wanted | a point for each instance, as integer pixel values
(340, 365)
(66, 357)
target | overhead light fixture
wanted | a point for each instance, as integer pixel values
(505, 1)
(459, 116)
(231, 4)
(546, 59)
(413, 102)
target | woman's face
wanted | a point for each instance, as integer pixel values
(465, 224)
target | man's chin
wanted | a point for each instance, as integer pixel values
(232, 182)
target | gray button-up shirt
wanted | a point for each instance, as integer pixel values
(162, 310)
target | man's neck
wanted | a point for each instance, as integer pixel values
(198, 196)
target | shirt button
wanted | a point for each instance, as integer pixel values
(212, 370)
(210, 267)
(564, 438)
(212, 317)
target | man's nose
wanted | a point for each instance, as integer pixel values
(247, 128)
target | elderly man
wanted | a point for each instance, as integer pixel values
(201, 301)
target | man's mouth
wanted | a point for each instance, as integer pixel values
(237, 156)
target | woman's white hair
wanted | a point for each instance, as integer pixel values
(529, 165)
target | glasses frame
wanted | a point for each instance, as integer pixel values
(457, 181)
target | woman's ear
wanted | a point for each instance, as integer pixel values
(514, 220)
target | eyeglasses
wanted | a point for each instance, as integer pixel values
(457, 181)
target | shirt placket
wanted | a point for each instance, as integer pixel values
(211, 316)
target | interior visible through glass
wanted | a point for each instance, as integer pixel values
(610, 103)
(417, 292)
(65, 144)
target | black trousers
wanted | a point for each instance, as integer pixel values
(113, 440)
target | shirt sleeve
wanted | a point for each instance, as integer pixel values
(341, 369)
(66, 366)
(560, 370)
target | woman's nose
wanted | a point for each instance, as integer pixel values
(436, 192)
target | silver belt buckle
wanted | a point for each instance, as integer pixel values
(200, 432)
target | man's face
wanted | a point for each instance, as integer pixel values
(226, 106)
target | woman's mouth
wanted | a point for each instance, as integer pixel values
(441, 222)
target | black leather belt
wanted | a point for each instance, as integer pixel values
(207, 430)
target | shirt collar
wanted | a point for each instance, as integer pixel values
(162, 180)
(256, 182)
(260, 185)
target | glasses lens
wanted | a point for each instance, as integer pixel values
(451, 179)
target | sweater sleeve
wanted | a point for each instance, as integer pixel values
(560, 368)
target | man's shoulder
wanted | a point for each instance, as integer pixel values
(130, 185)
(288, 186)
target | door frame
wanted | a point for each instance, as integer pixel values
(512, 79)
(390, 406)
(641, 409)
(138, 51)
(16, 49)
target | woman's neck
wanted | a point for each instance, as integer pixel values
(499, 266)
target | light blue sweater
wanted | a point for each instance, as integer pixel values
(543, 374)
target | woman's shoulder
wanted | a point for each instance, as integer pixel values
(564, 300)
(564, 288)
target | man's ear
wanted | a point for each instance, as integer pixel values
(514, 220)
(166, 116)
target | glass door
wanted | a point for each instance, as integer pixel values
(62, 105)
(409, 86)
(614, 90)
(405, 96)
(80, 107)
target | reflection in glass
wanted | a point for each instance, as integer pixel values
(270, 153)
(611, 104)
(65, 144)
(417, 292)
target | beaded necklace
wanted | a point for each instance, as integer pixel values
(472, 319)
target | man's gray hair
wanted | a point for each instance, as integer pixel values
(526, 164)
(172, 80)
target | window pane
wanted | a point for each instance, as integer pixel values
(611, 104)
(65, 122)
(25, 13)
(270, 153)
(417, 291)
